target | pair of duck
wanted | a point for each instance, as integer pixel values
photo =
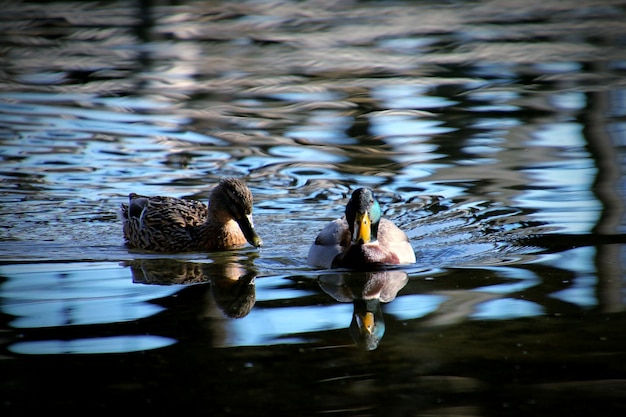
(360, 239)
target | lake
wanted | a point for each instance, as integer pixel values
(493, 133)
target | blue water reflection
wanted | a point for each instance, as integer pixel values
(415, 306)
(114, 344)
(289, 325)
(38, 297)
(506, 309)
(391, 127)
(402, 96)
(82, 294)
(584, 286)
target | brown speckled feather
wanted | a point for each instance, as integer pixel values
(164, 223)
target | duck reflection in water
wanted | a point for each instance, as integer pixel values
(366, 290)
(232, 284)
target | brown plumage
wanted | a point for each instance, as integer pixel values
(167, 224)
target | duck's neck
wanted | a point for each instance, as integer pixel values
(220, 233)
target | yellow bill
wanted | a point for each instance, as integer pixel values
(364, 228)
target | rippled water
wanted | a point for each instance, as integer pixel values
(493, 134)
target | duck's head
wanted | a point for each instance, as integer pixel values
(233, 198)
(363, 215)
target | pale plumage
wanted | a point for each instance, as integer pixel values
(361, 239)
(167, 224)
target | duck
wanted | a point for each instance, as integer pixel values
(168, 224)
(361, 239)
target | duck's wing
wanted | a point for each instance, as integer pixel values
(162, 223)
(392, 238)
(160, 211)
(330, 242)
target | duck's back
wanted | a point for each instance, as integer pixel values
(163, 224)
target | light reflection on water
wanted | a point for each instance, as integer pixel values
(88, 293)
(96, 345)
(83, 294)
(495, 140)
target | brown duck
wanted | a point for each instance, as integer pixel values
(167, 224)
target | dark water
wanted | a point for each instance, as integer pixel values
(492, 132)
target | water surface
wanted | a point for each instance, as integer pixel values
(493, 135)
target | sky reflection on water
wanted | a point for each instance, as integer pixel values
(82, 294)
